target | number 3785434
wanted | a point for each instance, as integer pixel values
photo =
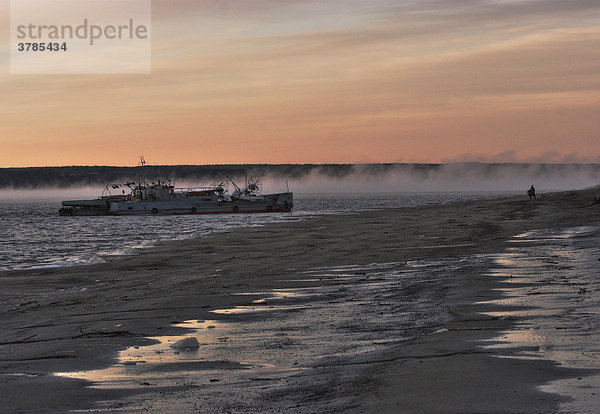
(42, 47)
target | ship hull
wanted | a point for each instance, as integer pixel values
(270, 203)
(213, 211)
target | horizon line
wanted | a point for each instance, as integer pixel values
(310, 164)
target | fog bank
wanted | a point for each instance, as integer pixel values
(81, 182)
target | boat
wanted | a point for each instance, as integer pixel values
(162, 198)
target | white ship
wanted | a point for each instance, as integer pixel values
(164, 198)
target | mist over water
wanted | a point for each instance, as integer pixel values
(11, 195)
(471, 177)
(85, 182)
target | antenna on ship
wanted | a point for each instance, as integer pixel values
(142, 163)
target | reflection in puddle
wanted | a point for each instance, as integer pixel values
(127, 372)
(271, 297)
(256, 309)
(553, 289)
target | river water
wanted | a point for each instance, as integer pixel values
(33, 235)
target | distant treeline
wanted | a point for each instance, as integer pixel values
(77, 176)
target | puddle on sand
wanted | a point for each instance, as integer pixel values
(270, 299)
(20, 374)
(356, 310)
(153, 364)
(553, 285)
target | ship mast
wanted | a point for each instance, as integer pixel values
(238, 189)
(142, 163)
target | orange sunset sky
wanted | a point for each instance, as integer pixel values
(303, 81)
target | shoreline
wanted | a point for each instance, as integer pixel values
(169, 228)
(80, 307)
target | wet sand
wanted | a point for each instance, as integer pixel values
(387, 311)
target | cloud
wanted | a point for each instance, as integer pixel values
(331, 81)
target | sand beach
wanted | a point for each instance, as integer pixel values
(479, 306)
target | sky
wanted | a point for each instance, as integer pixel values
(327, 81)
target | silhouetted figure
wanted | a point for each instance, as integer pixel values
(531, 193)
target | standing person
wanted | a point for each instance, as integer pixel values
(531, 193)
